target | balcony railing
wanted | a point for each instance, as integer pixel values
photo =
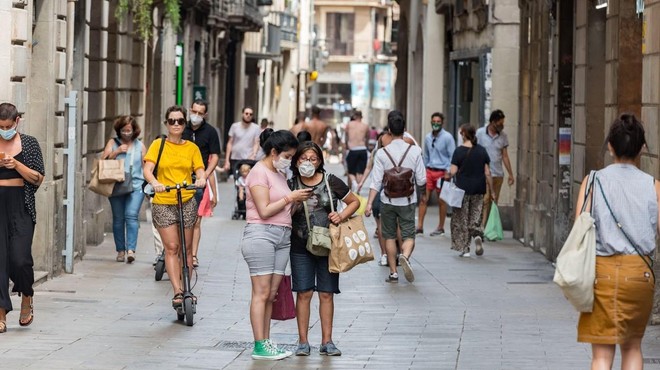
(244, 15)
(289, 26)
(218, 15)
(338, 47)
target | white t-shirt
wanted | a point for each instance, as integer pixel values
(243, 139)
(413, 161)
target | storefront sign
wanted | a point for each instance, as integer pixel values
(360, 85)
(382, 87)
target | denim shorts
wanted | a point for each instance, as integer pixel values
(310, 272)
(265, 248)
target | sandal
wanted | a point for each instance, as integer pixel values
(177, 300)
(195, 261)
(120, 256)
(25, 316)
(3, 327)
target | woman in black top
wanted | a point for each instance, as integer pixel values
(470, 166)
(21, 173)
(310, 273)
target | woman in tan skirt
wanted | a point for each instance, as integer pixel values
(624, 204)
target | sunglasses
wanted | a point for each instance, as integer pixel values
(247, 114)
(179, 121)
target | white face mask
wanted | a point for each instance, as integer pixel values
(281, 164)
(307, 169)
(196, 120)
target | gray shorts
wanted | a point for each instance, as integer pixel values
(266, 248)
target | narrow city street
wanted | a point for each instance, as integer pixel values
(498, 311)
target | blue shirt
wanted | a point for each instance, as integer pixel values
(438, 150)
(135, 151)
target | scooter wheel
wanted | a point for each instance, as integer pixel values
(160, 270)
(188, 308)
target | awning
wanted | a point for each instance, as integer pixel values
(334, 77)
(273, 57)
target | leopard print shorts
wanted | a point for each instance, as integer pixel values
(165, 215)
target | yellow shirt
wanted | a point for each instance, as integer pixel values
(177, 163)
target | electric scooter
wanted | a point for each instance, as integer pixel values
(189, 307)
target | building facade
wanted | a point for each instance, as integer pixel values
(353, 53)
(73, 67)
(460, 58)
(582, 63)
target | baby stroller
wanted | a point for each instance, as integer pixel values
(239, 208)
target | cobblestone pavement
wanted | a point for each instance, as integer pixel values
(498, 311)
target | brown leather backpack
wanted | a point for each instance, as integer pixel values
(398, 182)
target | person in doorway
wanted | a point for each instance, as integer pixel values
(470, 166)
(206, 138)
(267, 235)
(623, 201)
(310, 273)
(126, 208)
(179, 160)
(242, 138)
(439, 146)
(356, 135)
(21, 173)
(495, 140)
(397, 210)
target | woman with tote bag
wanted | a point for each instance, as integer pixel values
(310, 272)
(126, 198)
(625, 210)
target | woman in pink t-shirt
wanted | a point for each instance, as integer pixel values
(267, 235)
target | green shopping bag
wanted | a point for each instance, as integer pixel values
(493, 230)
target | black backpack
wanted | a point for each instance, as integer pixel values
(398, 182)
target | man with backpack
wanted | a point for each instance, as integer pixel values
(398, 170)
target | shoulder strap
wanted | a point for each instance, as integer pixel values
(464, 160)
(404, 154)
(160, 152)
(327, 186)
(649, 262)
(389, 156)
(588, 191)
(117, 141)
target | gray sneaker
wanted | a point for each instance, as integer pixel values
(303, 349)
(479, 243)
(407, 269)
(440, 232)
(329, 349)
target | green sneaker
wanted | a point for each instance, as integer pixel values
(274, 345)
(263, 350)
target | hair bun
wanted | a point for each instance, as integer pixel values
(265, 134)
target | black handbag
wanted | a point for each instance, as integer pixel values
(147, 189)
(126, 186)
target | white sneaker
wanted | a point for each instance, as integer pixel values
(383, 260)
(466, 254)
(479, 244)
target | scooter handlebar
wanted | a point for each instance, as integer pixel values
(181, 186)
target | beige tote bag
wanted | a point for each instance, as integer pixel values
(575, 271)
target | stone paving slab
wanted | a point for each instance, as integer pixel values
(498, 311)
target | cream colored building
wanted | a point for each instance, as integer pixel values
(352, 32)
(72, 67)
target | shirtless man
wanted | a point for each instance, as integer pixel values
(357, 134)
(299, 125)
(316, 127)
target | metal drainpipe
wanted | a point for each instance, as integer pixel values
(413, 22)
(70, 151)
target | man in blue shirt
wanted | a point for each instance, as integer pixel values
(439, 146)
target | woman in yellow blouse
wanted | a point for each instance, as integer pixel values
(180, 158)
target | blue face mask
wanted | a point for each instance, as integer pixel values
(8, 134)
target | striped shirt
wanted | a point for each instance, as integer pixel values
(631, 194)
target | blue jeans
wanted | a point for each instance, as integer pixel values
(125, 210)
